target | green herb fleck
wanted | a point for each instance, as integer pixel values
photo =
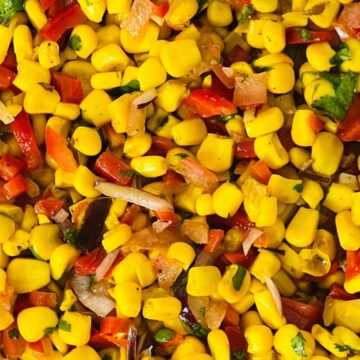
(106, 357)
(49, 330)
(343, 348)
(64, 326)
(8, 8)
(202, 311)
(343, 54)
(70, 236)
(14, 334)
(337, 106)
(305, 34)
(164, 335)
(299, 188)
(245, 14)
(164, 121)
(128, 172)
(226, 118)
(298, 344)
(238, 355)
(238, 278)
(132, 86)
(75, 43)
(182, 155)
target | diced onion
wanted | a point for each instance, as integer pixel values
(106, 264)
(5, 116)
(134, 196)
(145, 98)
(274, 293)
(160, 225)
(60, 216)
(252, 235)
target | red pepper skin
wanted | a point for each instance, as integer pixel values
(65, 19)
(10, 166)
(112, 325)
(160, 146)
(70, 89)
(245, 150)
(15, 187)
(49, 206)
(6, 78)
(24, 136)
(87, 264)
(293, 36)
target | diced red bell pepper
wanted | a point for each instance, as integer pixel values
(10, 61)
(112, 325)
(294, 36)
(87, 264)
(130, 214)
(10, 166)
(239, 220)
(160, 146)
(102, 341)
(6, 78)
(350, 127)
(172, 178)
(43, 346)
(245, 150)
(215, 238)
(70, 89)
(42, 298)
(338, 292)
(113, 169)
(260, 172)
(236, 338)
(161, 9)
(352, 264)
(49, 206)
(232, 317)
(207, 103)
(13, 346)
(24, 136)
(168, 216)
(15, 187)
(66, 19)
(239, 258)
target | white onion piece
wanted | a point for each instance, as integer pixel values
(101, 305)
(106, 264)
(134, 196)
(252, 235)
(343, 35)
(274, 293)
(5, 116)
(160, 225)
(60, 216)
(146, 97)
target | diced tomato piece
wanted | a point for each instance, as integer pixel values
(87, 264)
(232, 317)
(6, 78)
(10, 166)
(66, 19)
(286, 139)
(236, 338)
(245, 149)
(239, 258)
(70, 89)
(24, 136)
(160, 146)
(207, 103)
(260, 172)
(16, 186)
(215, 238)
(111, 325)
(10, 61)
(294, 36)
(57, 149)
(215, 126)
(239, 220)
(113, 169)
(338, 292)
(49, 206)
(13, 346)
(172, 178)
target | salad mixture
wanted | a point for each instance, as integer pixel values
(179, 179)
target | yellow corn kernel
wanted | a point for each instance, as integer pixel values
(292, 19)
(219, 344)
(319, 56)
(274, 234)
(86, 140)
(227, 199)
(290, 261)
(265, 264)
(355, 208)
(33, 321)
(325, 144)
(180, 56)
(325, 242)
(165, 126)
(301, 131)
(30, 73)
(29, 219)
(151, 74)
(48, 53)
(36, 15)
(327, 16)
(268, 211)
(226, 287)
(353, 63)
(270, 60)
(269, 149)
(43, 219)
(312, 193)
(59, 345)
(17, 243)
(182, 252)
(315, 262)
(273, 36)
(348, 233)
(34, 100)
(64, 179)
(219, 13)
(302, 229)
(266, 122)
(189, 347)
(109, 58)
(84, 182)
(259, 338)
(106, 80)
(287, 191)
(128, 299)
(116, 237)
(254, 35)
(250, 318)
(82, 352)
(93, 10)
(6, 318)
(145, 274)
(180, 12)
(2, 280)
(68, 301)
(62, 259)
(173, 158)
(162, 308)
(23, 43)
(141, 44)
(203, 205)
(95, 107)
(7, 227)
(280, 78)
(189, 32)
(338, 197)
(6, 35)
(12, 211)
(284, 283)
(170, 95)
(137, 145)
(316, 89)
(83, 40)
(347, 336)
(267, 309)
(189, 132)
(203, 280)
(265, 6)
(126, 269)
(78, 327)
(151, 166)
(244, 304)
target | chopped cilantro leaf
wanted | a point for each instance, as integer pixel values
(238, 278)
(182, 155)
(343, 54)
(226, 118)
(129, 173)
(298, 188)
(305, 34)
(64, 326)
(132, 86)
(71, 236)
(49, 330)
(343, 348)
(238, 355)
(245, 14)
(14, 334)
(75, 43)
(298, 344)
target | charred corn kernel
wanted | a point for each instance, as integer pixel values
(267, 212)
(48, 53)
(165, 127)
(95, 107)
(338, 197)
(183, 252)
(290, 261)
(30, 73)
(82, 352)
(269, 149)
(328, 341)
(173, 158)
(142, 44)
(285, 339)
(58, 343)
(274, 234)
(327, 16)
(33, 321)
(254, 35)
(17, 243)
(6, 35)
(284, 283)
(353, 63)
(203, 280)
(34, 100)
(86, 140)
(94, 10)
(126, 269)
(128, 299)
(219, 344)
(180, 56)
(34, 12)
(109, 58)
(180, 12)
(219, 13)
(84, 182)
(137, 145)
(325, 242)
(302, 229)
(319, 56)
(170, 95)
(23, 43)
(312, 193)
(150, 166)
(106, 80)
(44, 239)
(76, 329)
(265, 6)
(301, 131)
(151, 74)
(285, 190)
(280, 78)
(292, 19)
(266, 122)
(227, 199)
(6, 318)
(62, 259)
(273, 36)
(116, 237)
(355, 208)
(315, 262)
(189, 347)
(162, 308)
(68, 301)
(325, 144)
(7, 227)
(189, 132)
(347, 231)
(226, 287)
(83, 40)
(259, 338)
(203, 205)
(265, 264)
(267, 309)
(64, 179)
